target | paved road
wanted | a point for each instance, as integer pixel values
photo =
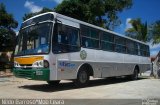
(98, 89)
(96, 93)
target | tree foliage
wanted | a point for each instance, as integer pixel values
(28, 15)
(144, 32)
(102, 13)
(138, 30)
(7, 24)
(155, 32)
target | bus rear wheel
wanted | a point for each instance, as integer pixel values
(82, 79)
(53, 83)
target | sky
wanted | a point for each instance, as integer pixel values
(147, 10)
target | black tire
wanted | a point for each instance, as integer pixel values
(135, 74)
(53, 83)
(82, 79)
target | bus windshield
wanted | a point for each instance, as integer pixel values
(34, 39)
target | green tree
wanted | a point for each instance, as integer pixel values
(155, 32)
(138, 30)
(28, 15)
(73, 8)
(103, 13)
(7, 24)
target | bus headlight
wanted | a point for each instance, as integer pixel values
(46, 64)
(16, 64)
(38, 64)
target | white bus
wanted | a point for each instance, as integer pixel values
(54, 47)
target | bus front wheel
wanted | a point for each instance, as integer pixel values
(82, 79)
(53, 83)
(135, 74)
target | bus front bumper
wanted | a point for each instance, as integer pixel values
(33, 74)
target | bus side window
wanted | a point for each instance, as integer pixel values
(139, 53)
(86, 43)
(73, 36)
(59, 38)
(66, 39)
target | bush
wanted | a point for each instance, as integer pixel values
(4, 61)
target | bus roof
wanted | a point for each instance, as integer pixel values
(85, 23)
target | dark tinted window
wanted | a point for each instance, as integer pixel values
(94, 33)
(144, 50)
(107, 37)
(89, 32)
(148, 51)
(85, 31)
(120, 48)
(120, 40)
(132, 47)
(89, 37)
(90, 43)
(107, 46)
(92, 38)
(107, 41)
(120, 44)
(65, 39)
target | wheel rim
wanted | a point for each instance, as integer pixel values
(83, 77)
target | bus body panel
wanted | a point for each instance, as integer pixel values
(69, 64)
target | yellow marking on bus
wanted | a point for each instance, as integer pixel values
(28, 60)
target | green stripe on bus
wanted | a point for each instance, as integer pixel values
(34, 74)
